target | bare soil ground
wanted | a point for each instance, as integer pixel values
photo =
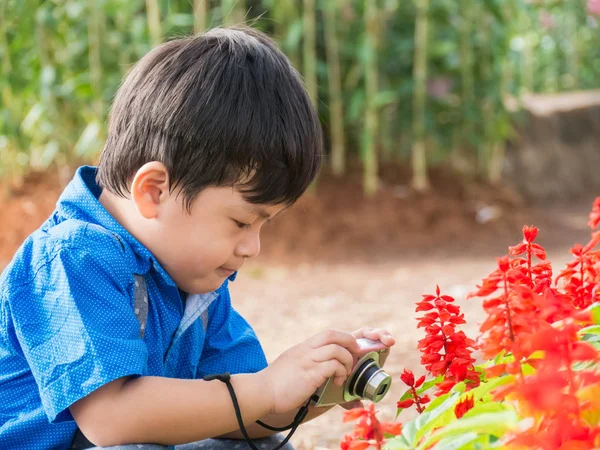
(338, 260)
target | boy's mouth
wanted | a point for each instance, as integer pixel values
(226, 272)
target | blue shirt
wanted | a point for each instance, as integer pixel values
(68, 326)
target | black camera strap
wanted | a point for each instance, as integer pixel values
(300, 416)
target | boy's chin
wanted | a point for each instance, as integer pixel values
(203, 285)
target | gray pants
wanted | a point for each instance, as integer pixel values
(209, 444)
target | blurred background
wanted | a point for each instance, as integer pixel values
(449, 125)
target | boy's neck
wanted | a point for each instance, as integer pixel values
(121, 209)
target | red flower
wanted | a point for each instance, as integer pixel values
(408, 378)
(595, 214)
(368, 431)
(403, 404)
(463, 406)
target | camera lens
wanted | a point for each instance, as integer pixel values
(370, 382)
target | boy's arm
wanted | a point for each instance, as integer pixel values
(167, 410)
(172, 411)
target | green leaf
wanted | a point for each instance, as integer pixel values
(438, 414)
(456, 443)
(484, 388)
(485, 408)
(397, 443)
(595, 312)
(592, 329)
(494, 423)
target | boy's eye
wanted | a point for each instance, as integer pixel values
(241, 224)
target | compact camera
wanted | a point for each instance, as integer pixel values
(366, 381)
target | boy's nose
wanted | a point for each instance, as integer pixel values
(249, 247)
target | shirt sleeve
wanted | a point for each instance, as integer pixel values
(231, 344)
(75, 325)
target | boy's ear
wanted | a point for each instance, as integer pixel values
(150, 188)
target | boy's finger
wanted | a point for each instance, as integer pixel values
(381, 335)
(342, 338)
(333, 351)
(360, 333)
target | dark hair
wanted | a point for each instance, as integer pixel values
(222, 109)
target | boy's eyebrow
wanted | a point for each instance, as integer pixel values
(260, 211)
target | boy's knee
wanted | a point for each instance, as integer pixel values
(133, 447)
(267, 443)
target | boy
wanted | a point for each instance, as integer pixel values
(114, 311)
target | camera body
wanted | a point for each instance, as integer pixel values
(366, 381)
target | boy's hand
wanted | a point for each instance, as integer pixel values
(376, 334)
(300, 371)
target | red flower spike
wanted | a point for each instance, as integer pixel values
(420, 382)
(444, 351)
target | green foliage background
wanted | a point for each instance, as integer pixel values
(62, 61)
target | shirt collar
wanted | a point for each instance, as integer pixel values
(80, 201)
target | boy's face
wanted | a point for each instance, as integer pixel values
(199, 249)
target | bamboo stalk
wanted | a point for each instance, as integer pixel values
(284, 14)
(527, 58)
(334, 76)
(498, 150)
(7, 96)
(200, 16)
(226, 12)
(466, 70)
(94, 42)
(420, 180)
(153, 17)
(309, 50)
(573, 56)
(124, 50)
(370, 172)
(232, 12)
